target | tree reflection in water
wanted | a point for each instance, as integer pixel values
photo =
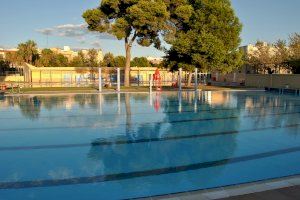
(30, 107)
(161, 154)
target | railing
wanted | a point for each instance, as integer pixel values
(114, 81)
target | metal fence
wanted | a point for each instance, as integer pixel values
(112, 79)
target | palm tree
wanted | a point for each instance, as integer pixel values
(28, 51)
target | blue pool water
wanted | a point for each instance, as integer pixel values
(122, 146)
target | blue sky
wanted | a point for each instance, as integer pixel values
(21, 20)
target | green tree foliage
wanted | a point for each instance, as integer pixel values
(60, 61)
(28, 51)
(294, 46)
(92, 58)
(14, 59)
(4, 66)
(207, 37)
(130, 20)
(119, 61)
(46, 58)
(140, 62)
(79, 61)
(295, 66)
(92, 61)
(108, 60)
(273, 58)
(50, 59)
(280, 56)
(262, 59)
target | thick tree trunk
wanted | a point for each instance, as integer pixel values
(189, 83)
(127, 65)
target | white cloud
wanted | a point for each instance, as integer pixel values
(79, 31)
(96, 44)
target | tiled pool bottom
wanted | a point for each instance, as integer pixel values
(123, 146)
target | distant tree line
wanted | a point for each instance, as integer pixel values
(276, 57)
(28, 53)
(110, 60)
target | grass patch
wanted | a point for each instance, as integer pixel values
(112, 89)
(57, 89)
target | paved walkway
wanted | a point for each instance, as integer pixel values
(286, 188)
(290, 193)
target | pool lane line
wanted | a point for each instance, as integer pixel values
(171, 112)
(141, 174)
(145, 123)
(145, 140)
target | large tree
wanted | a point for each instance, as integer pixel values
(207, 38)
(130, 20)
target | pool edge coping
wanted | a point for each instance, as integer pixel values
(232, 190)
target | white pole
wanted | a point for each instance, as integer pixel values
(118, 80)
(196, 79)
(100, 79)
(180, 79)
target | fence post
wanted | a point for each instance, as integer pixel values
(100, 79)
(118, 80)
(196, 79)
(180, 79)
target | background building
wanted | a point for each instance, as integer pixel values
(70, 54)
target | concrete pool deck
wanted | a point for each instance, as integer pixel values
(287, 188)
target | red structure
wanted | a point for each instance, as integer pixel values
(3, 87)
(157, 80)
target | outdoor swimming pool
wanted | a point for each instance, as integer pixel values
(120, 146)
